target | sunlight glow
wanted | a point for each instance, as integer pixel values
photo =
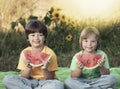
(88, 8)
(91, 8)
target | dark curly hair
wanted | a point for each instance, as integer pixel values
(36, 26)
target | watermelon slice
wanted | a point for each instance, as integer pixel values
(89, 60)
(36, 58)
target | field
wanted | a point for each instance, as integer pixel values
(63, 35)
(64, 41)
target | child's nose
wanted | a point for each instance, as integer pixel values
(36, 37)
(89, 43)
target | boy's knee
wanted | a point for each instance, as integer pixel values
(59, 84)
(110, 80)
(68, 82)
(8, 79)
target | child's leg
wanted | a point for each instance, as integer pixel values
(105, 81)
(78, 83)
(50, 84)
(17, 82)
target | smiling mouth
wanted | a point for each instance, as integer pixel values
(36, 42)
(89, 48)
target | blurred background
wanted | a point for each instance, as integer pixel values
(64, 19)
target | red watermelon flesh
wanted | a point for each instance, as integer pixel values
(36, 58)
(89, 60)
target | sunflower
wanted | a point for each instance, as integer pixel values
(55, 13)
(62, 18)
(68, 21)
(69, 37)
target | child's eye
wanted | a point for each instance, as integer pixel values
(85, 40)
(41, 35)
(32, 35)
(94, 41)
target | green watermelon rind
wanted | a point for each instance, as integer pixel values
(91, 67)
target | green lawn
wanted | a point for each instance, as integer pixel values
(62, 74)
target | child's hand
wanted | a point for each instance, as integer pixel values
(101, 62)
(27, 62)
(45, 65)
(80, 65)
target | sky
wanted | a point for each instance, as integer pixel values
(80, 9)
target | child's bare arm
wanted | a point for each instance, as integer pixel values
(25, 73)
(48, 74)
(103, 70)
(77, 72)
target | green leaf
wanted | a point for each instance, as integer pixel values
(47, 20)
(22, 22)
(13, 24)
(32, 17)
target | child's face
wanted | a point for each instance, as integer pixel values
(36, 39)
(89, 44)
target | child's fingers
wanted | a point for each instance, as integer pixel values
(27, 61)
(101, 62)
(80, 65)
(45, 64)
(102, 57)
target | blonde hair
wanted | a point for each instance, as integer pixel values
(86, 32)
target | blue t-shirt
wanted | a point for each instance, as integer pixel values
(89, 73)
